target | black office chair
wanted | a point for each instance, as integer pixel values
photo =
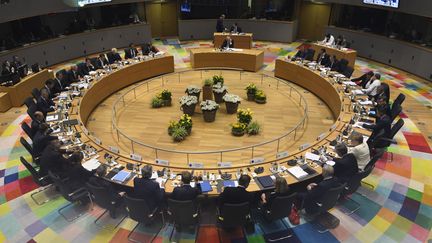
(104, 199)
(280, 209)
(394, 112)
(230, 216)
(183, 214)
(43, 181)
(26, 128)
(29, 148)
(348, 71)
(29, 102)
(399, 100)
(310, 54)
(31, 110)
(35, 68)
(74, 197)
(381, 142)
(139, 211)
(36, 93)
(343, 63)
(370, 166)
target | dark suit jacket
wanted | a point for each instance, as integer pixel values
(345, 167)
(59, 85)
(219, 25)
(84, 69)
(99, 63)
(235, 195)
(100, 182)
(149, 190)
(186, 193)
(44, 106)
(35, 126)
(323, 60)
(334, 66)
(41, 141)
(383, 123)
(225, 44)
(146, 49)
(73, 76)
(313, 195)
(53, 160)
(50, 91)
(301, 54)
(239, 30)
(131, 53)
(361, 81)
(113, 57)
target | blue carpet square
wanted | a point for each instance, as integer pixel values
(409, 209)
(397, 197)
(10, 178)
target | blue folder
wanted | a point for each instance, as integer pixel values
(121, 176)
(228, 183)
(205, 186)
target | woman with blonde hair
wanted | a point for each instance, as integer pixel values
(281, 189)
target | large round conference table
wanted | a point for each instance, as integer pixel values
(325, 88)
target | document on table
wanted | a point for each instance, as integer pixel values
(312, 156)
(366, 102)
(357, 92)
(91, 164)
(51, 118)
(297, 172)
(350, 83)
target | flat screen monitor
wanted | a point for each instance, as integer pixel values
(82, 3)
(185, 7)
(384, 3)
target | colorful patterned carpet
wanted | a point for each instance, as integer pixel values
(398, 209)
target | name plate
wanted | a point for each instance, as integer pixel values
(282, 155)
(304, 146)
(114, 149)
(257, 160)
(162, 162)
(224, 164)
(97, 141)
(85, 131)
(136, 157)
(321, 136)
(197, 165)
(332, 128)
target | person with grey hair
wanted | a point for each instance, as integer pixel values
(316, 190)
(346, 165)
(148, 189)
(359, 149)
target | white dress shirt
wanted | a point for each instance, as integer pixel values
(361, 152)
(330, 41)
(372, 87)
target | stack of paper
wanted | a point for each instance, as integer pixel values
(297, 172)
(91, 164)
(312, 156)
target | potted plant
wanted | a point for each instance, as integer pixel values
(156, 102)
(185, 122)
(193, 90)
(207, 89)
(251, 89)
(232, 102)
(260, 97)
(244, 116)
(178, 134)
(238, 129)
(219, 91)
(253, 128)
(209, 108)
(188, 103)
(166, 97)
(171, 126)
(218, 79)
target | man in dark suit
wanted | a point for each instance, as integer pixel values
(364, 79)
(148, 189)
(16, 63)
(131, 52)
(346, 165)
(86, 67)
(381, 128)
(235, 28)
(301, 54)
(315, 191)
(49, 87)
(44, 103)
(73, 75)
(113, 56)
(219, 24)
(60, 82)
(228, 43)
(333, 64)
(101, 62)
(52, 158)
(186, 192)
(39, 119)
(237, 194)
(41, 139)
(148, 48)
(73, 170)
(323, 58)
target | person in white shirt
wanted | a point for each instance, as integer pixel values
(359, 149)
(328, 40)
(372, 85)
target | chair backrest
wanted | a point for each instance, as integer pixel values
(330, 198)
(375, 158)
(281, 207)
(234, 215)
(101, 196)
(399, 99)
(343, 63)
(310, 54)
(29, 102)
(367, 170)
(138, 209)
(35, 68)
(27, 146)
(26, 128)
(183, 212)
(31, 110)
(396, 127)
(31, 169)
(36, 93)
(395, 111)
(353, 183)
(348, 71)
(63, 187)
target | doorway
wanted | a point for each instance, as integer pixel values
(162, 16)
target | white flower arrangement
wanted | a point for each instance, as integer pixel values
(193, 89)
(209, 105)
(218, 88)
(232, 98)
(188, 100)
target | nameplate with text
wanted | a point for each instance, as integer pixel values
(97, 141)
(136, 157)
(257, 160)
(197, 165)
(282, 155)
(332, 128)
(162, 162)
(304, 146)
(114, 149)
(224, 164)
(321, 136)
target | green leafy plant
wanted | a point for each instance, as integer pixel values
(185, 122)
(253, 128)
(165, 95)
(218, 79)
(251, 88)
(178, 133)
(260, 96)
(156, 102)
(171, 126)
(244, 116)
(208, 82)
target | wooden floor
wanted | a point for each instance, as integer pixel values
(280, 114)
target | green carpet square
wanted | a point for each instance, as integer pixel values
(395, 233)
(414, 194)
(423, 221)
(23, 174)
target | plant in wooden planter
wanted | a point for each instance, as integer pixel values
(238, 129)
(253, 128)
(178, 133)
(209, 109)
(244, 116)
(232, 102)
(251, 89)
(219, 91)
(166, 96)
(188, 103)
(156, 102)
(260, 97)
(207, 89)
(218, 79)
(186, 122)
(171, 126)
(193, 90)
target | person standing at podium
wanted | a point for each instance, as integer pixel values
(228, 43)
(219, 24)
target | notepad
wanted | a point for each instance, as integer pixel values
(229, 184)
(91, 164)
(205, 186)
(297, 172)
(122, 176)
(312, 156)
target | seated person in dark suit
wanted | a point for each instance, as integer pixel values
(7, 68)
(41, 139)
(49, 87)
(346, 165)
(16, 63)
(382, 127)
(315, 191)
(333, 64)
(364, 79)
(186, 192)
(113, 56)
(53, 158)
(383, 92)
(101, 62)
(73, 74)
(281, 189)
(44, 103)
(235, 28)
(148, 189)
(148, 48)
(236, 195)
(35, 124)
(227, 43)
(131, 52)
(60, 82)
(73, 170)
(323, 58)
(301, 54)
(86, 67)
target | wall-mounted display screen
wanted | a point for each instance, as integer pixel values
(83, 3)
(385, 3)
